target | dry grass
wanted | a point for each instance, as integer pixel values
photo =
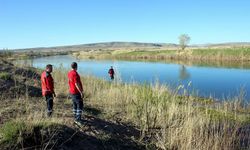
(218, 54)
(169, 120)
(174, 122)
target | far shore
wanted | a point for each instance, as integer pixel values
(233, 52)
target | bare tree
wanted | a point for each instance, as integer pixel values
(184, 39)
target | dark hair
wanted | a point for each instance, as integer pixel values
(74, 65)
(48, 66)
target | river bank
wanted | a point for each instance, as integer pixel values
(216, 54)
(156, 116)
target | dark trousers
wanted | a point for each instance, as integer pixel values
(112, 77)
(49, 101)
(77, 106)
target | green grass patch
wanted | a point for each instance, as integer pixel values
(226, 52)
(219, 115)
(12, 132)
(5, 76)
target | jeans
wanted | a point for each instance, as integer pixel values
(49, 100)
(77, 106)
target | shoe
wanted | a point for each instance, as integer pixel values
(79, 122)
(49, 114)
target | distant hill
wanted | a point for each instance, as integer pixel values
(232, 44)
(129, 45)
(99, 46)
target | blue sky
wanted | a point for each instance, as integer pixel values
(44, 23)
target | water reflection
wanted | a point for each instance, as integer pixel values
(204, 63)
(184, 74)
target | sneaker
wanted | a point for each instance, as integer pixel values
(79, 122)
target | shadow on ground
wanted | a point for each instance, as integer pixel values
(108, 135)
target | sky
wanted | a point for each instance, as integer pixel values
(45, 23)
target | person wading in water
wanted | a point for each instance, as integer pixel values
(111, 73)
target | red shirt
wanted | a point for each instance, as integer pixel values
(47, 83)
(111, 72)
(74, 78)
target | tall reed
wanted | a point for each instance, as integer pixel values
(173, 121)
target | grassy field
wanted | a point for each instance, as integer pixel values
(139, 116)
(220, 54)
(235, 54)
(14, 55)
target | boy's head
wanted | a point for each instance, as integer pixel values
(49, 68)
(74, 65)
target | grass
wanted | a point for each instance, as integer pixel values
(5, 76)
(178, 121)
(14, 55)
(173, 121)
(221, 54)
(10, 131)
(152, 108)
(224, 54)
(170, 121)
(5, 53)
(25, 124)
(30, 135)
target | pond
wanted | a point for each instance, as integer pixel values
(204, 80)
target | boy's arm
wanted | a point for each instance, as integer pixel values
(79, 88)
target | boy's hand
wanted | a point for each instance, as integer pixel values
(54, 94)
(82, 95)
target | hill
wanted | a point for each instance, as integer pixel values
(129, 45)
(98, 46)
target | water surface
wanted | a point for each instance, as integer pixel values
(206, 80)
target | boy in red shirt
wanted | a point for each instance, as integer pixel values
(111, 73)
(48, 88)
(76, 92)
